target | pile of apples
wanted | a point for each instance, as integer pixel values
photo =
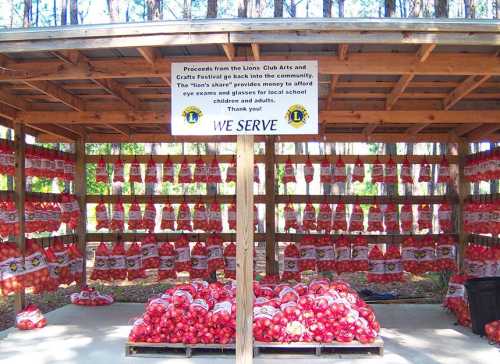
(199, 312)
(492, 331)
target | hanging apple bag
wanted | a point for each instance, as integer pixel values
(376, 269)
(166, 269)
(325, 254)
(151, 172)
(359, 254)
(446, 259)
(101, 173)
(149, 217)
(149, 251)
(291, 263)
(231, 216)
(307, 248)
(308, 170)
(324, 219)
(118, 217)
(200, 171)
(424, 217)
(358, 171)
(309, 217)
(290, 215)
(118, 172)
(356, 221)
(406, 176)
(425, 171)
(214, 175)
(406, 217)
(339, 172)
(184, 217)
(231, 171)
(167, 217)
(339, 218)
(289, 172)
(101, 269)
(391, 221)
(199, 263)
(343, 254)
(391, 172)
(182, 255)
(168, 171)
(215, 217)
(377, 171)
(135, 172)
(185, 172)
(392, 264)
(444, 171)
(325, 175)
(134, 216)
(444, 217)
(133, 260)
(230, 261)
(117, 262)
(215, 257)
(101, 216)
(375, 219)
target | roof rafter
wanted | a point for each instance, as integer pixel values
(464, 129)
(342, 51)
(333, 84)
(229, 50)
(467, 86)
(152, 55)
(483, 132)
(12, 100)
(59, 93)
(256, 51)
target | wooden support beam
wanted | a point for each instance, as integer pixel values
(369, 129)
(57, 131)
(483, 132)
(463, 192)
(333, 84)
(244, 249)
(76, 129)
(59, 93)
(417, 128)
(256, 51)
(118, 90)
(7, 112)
(424, 51)
(270, 160)
(398, 90)
(80, 186)
(20, 191)
(122, 129)
(150, 54)
(464, 129)
(230, 51)
(342, 51)
(467, 86)
(12, 100)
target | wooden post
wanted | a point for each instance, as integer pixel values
(244, 249)
(20, 191)
(271, 262)
(463, 192)
(81, 193)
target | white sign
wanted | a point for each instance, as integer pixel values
(238, 98)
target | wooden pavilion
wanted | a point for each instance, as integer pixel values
(381, 80)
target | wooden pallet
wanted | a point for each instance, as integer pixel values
(259, 349)
(177, 350)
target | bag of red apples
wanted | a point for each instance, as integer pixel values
(89, 296)
(30, 318)
(492, 330)
(456, 299)
(199, 312)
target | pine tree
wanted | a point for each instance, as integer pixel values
(212, 9)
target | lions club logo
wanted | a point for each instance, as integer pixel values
(296, 116)
(192, 115)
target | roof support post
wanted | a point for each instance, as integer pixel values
(271, 262)
(81, 194)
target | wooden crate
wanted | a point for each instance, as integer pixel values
(177, 350)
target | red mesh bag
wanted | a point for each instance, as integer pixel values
(182, 255)
(359, 254)
(339, 172)
(74, 211)
(410, 253)
(406, 217)
(325, 175)
(230, 261)
(256, 173)
(376, 266)
(406, 176)
(444, 171)
(291, 263)
(69, 169)
(308, 170)
(474, 260)
(117, 263)
(101, 269)
(166, 269)
(7, 160)
(9, 224)
(427, 255)
(309, 217)
(200, 217)
(215, 257)
(358, 171)
(133, 260)
(36, 270)
(424, 217)
(53, 280)
(375, 219)
(101, 216)
(392, 265)
(325, 254)
(215, 217)
(184, 217)
(231, 216)
(118, 172)
(391, 172)
(134, 216)
(290, 215)
(289, 172)
(149, 217)
(425, 171)
(149, 251)
(11, 259)
(307, 248)
(231, 171)
(62, 256)
(356, 221)
(167, 217)
(135, 172)
(151, 172)
(324, 219)
(343, 255)
(391, 220)
(118, 216)
(446, 256)
(199, 262)
(185, 175)
(75, 263)
(214, 175)
(444, 217)
(200, 171)
(168, 171)
(101, 173)
(339, 218)
(377, 171)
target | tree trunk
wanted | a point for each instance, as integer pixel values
(27, 13)
(242, 8)
(212, 9)
(497, 9)
(186, 9)
(73, 11)
(64, 12)
(415, 8)
(293, 9)
(327, 8)
(469, 9)
(441, 8)
(341, 8)
(154, 9)
(278, 8)
(389, 8)
(113, 10)
(54, 12)
(37, 16)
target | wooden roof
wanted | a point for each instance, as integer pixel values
(380, 79)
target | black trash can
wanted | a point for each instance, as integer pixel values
(484, 301)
